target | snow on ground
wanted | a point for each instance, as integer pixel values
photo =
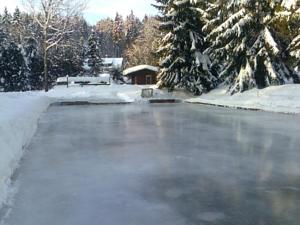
(97, 94)
(19, 113)
(284, 99)
(110, 93)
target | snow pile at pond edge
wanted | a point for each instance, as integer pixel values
(283, 99)
(19, 114)
(97, 94)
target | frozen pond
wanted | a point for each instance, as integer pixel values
(165, 164)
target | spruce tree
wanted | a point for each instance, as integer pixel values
(6, 22)
(295, 50)
(13, 71)
(294, 27)
(34, 64)
(104, 28)
(3, 42)
(183, 62)
(249, 48)
(17, 26)
(118, 34)
(94, 59)
(132, 28)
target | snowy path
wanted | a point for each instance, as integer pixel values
(150, 165)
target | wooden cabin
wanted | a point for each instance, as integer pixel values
(142, 75)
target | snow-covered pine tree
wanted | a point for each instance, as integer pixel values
(294, 26)
(2, 64)
(6, 21)
(13, 71)
(295, 49)
(290, 4)
(34, 63)
(94, 59)
(183, 63)
(17, 26)
(249, 47)
(162, 7)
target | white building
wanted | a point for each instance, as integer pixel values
(110, 64)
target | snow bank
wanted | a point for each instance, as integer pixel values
(19, 113)
(97, 94)
(284, 99)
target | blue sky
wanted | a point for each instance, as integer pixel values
(107, 8)
(98, 9)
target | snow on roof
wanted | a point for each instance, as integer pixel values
(84, 79)
(138, 68)
(116, 62)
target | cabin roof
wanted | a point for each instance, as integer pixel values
(139, 68)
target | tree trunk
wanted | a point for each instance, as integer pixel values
(45, 72)
(45, 63)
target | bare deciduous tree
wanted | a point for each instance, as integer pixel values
(54, 18)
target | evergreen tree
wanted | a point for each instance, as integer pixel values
(295, 49)
(132, 28)
(13, 76)
(183, 62)
(104, 29)
(6, 22)
(17, 26)
(118, 34)
(34, 64)
(3, 41)
(249, 48)
(294, 27)
(94, 58)
(118, 29)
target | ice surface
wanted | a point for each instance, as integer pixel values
(169, 164)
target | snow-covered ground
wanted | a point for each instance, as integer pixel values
(110, 93)
(19, 112)
(97, 94)
(284, 99)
